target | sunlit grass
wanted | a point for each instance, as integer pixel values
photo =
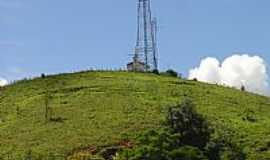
(96, 108)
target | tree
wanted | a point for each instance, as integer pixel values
(43, 75)
(160, 145)
(195, 79)
(172, 73)
(155, 71)
(193, 127)
(185, 136)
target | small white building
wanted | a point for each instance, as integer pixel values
(136, 65)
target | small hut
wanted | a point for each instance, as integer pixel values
(136, 65)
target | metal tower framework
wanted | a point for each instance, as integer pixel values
(146, 45)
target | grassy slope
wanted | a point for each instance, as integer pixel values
(99, 106)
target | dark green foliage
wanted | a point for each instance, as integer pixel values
(171, 72)
(155, 71)
(195, 79)
(187, 153)
(221, 149)
(193, 127)
(186, 136)
(160, 145)
(183, 138)
(43, 75)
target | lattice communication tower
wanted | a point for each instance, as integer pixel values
(146, 44)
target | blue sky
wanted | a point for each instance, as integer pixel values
(51, 36)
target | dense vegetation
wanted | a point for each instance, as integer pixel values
(185, 135)
(85, 113)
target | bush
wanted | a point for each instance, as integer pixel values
(155, 71)
(185, 136)
(192, 127)
(43, 75)
(221, 149)
(187, 153)
(160, 145)
(172, 73)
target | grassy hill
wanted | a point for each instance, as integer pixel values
(94, 109)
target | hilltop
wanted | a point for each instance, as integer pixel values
(93, 110)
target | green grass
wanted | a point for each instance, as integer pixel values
(97, 108)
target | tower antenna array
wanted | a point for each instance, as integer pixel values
(146, 45)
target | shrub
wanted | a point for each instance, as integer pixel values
(43, 75)
(185, 136)
(187, 153)
(155, 71)
(172, 73)
(223, 149)
(192, 127)
(160, 145)
(195, 79)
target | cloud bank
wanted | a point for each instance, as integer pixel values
(3, 82)
(234, 71)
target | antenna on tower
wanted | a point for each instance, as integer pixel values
(146, 44)
(154, 37)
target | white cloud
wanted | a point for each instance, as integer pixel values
(3, 82)
(234, 71)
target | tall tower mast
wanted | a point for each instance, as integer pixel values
(154, 37)
(146, 45)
